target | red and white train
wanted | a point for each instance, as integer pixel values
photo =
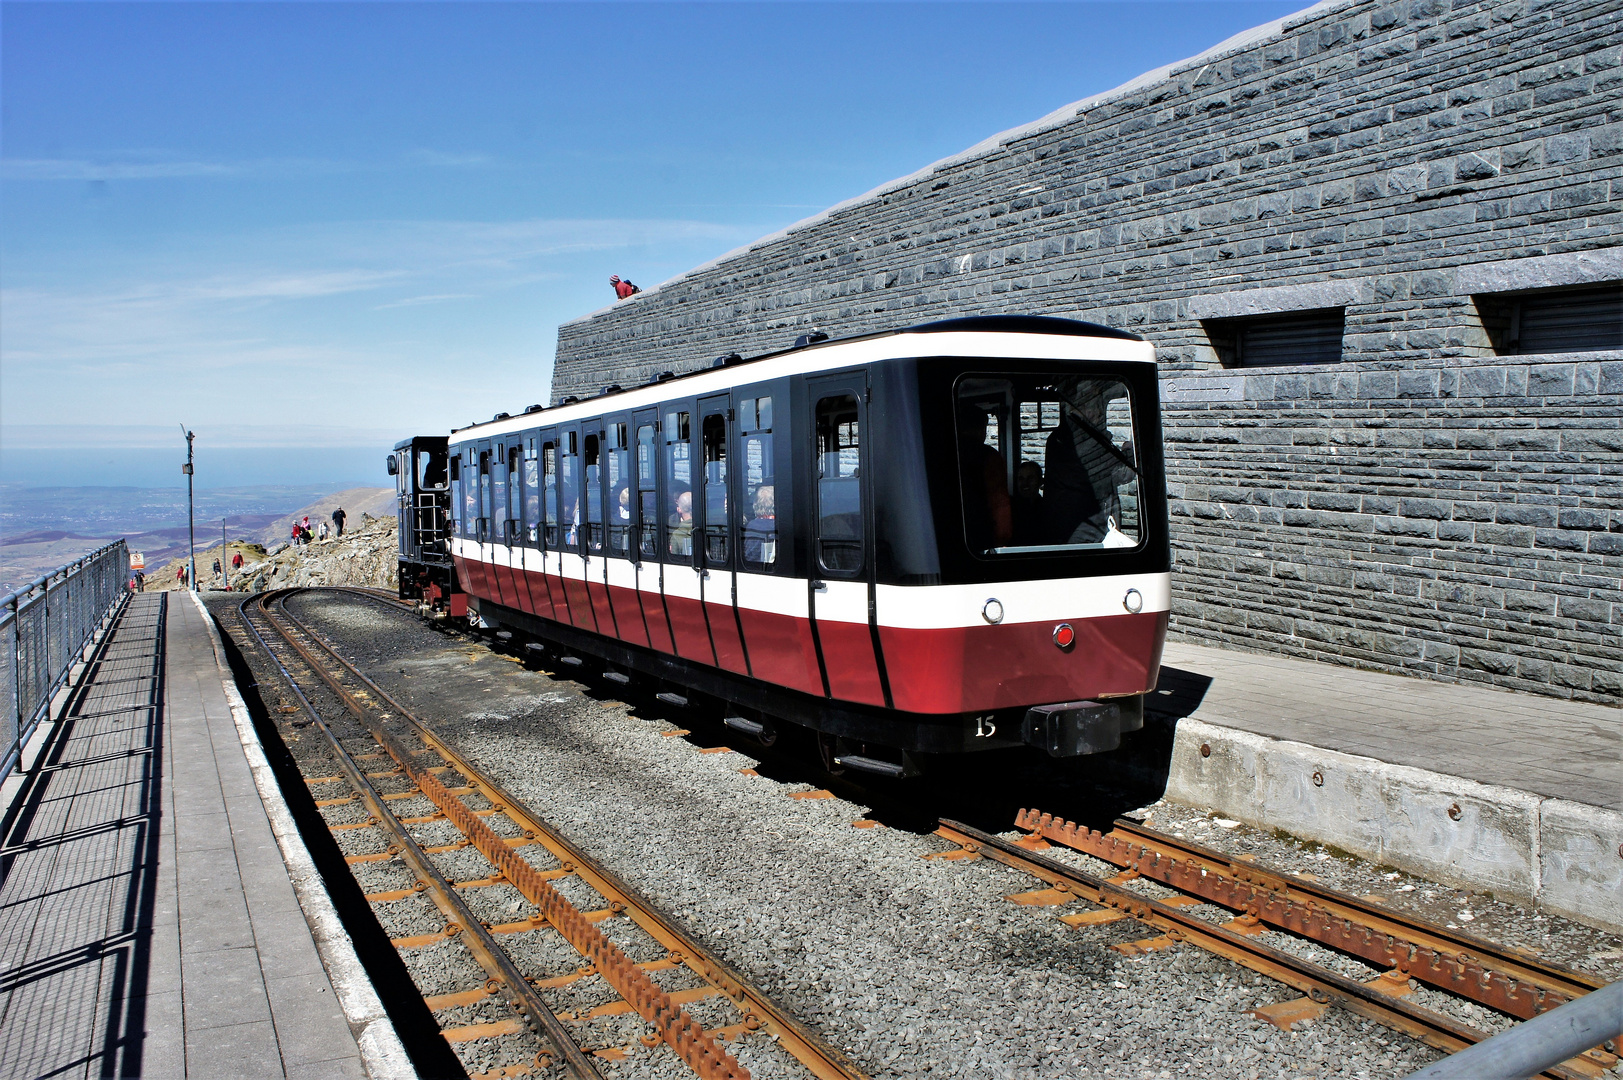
(933, 540)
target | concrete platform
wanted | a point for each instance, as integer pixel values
(1514, 793)
(150, 921)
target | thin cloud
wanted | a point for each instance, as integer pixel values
(69, 169)
(138, 165)
(413, 301)
(424, 156)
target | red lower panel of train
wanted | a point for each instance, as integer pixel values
(954, 670)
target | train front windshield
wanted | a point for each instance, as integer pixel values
(1047, 464)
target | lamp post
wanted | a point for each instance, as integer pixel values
(225, 558)
(191, 521)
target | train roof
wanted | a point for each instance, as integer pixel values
(1012, 336)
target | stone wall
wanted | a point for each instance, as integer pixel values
(1452, 518)
(1424, 505)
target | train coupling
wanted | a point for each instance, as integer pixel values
(1074, 728)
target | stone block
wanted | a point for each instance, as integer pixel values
(1425, 508)
(1506, 536)
(1482, 382)
(1584, 610)
(1523, 514)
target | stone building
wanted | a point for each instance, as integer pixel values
(1379, 248)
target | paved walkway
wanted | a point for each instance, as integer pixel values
(1547, 746)
(148, 926)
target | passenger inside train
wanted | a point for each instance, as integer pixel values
(1083, 493)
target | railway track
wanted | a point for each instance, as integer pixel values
(1260, 900)
(409, 811)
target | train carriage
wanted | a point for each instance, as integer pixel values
(939, 539)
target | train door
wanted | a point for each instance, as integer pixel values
(530, 574)
(774, 613)
(464, 512)
(513, 524)
(593, 456)
(619, 572)
(572, 548)
(842, 563)
(498, 567)
(550, 534)
(716, 510)
(648, 537)
(481, 571)
(684, 599)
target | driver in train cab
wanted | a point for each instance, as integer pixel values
(682, 525)
(987, 513)
(1082, 473)
(761, 531)
(1026, 509)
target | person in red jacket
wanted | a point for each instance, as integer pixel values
(622, 289)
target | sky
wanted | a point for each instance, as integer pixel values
(307, 230)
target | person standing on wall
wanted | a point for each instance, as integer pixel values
(338, 517)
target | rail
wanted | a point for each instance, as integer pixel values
(43, 631)
(411, 746)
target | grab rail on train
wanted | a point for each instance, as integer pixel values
(44, 628)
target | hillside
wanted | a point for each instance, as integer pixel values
(367, 555)
(42, 529)
(357, 502)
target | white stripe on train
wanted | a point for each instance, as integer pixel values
(910, 607)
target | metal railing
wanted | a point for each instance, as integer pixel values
(43, 631)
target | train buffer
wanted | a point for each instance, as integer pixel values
(149, 918)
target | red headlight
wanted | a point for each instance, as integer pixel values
(1064, 635)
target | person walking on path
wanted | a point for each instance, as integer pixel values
(338, 517)
(236, 561)
(321, 531)
(216, 567)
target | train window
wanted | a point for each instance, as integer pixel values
(1062, 474)
(839, 496)
(760, 537)
(647, 496)
(679, 483)
(594, 493)
(716, 523)
(430, 471)
(549, 474)
(532, 491)
(462, 499)
(498, 495)
(619, 480)
(515, 494)
(569, 492)
(484, 495)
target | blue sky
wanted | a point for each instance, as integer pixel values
(329, 226)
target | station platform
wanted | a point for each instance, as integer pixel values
(1513, 793)
(158, 915)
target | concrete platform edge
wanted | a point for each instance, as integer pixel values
(1560, 856)
(382, 1053)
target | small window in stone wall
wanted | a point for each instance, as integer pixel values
(1294, 337)
(1554, 320)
